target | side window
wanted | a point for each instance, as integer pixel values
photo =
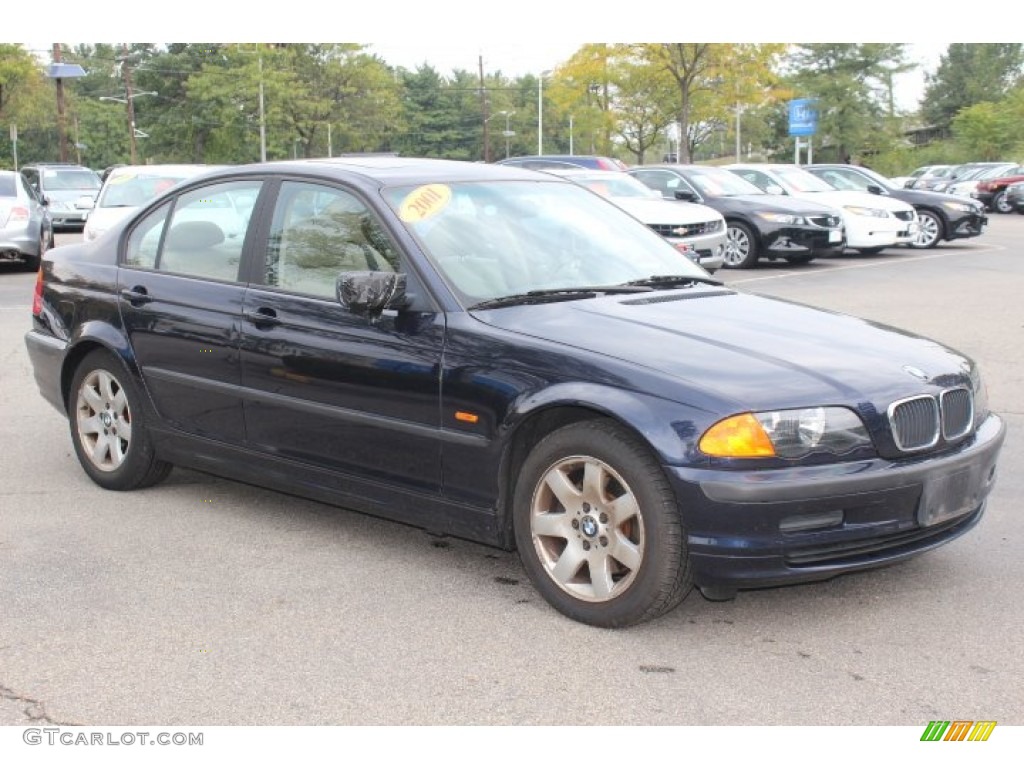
(207, 230)
(144, 241)
(317, 233)
(32, 179)
(758, 179)
(665, 183)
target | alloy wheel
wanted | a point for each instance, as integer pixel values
(587, 529)
(104, 420)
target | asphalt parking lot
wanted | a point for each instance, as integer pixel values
(202, 601)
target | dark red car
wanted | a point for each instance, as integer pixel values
(992, 192)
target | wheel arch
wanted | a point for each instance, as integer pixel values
(91, 336)
(553, 410)
(938, 214)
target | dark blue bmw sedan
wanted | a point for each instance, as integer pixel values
(505, 356)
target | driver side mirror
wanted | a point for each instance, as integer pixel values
(685, 194)
(370, 293)
(874, 189)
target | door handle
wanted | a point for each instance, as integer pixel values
(136, 296)
(263, 316)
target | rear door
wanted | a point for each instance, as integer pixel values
(181, 299)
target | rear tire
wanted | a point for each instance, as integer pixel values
(108, 426)
(1000, 204)
(598, 527)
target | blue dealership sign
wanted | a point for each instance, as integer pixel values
(803, 117)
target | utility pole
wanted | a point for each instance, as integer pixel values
(127, 72)
(483, 108)
(263, 119)
(62, 129)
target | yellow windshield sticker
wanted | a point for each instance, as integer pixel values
(121, 179)
(424, 202)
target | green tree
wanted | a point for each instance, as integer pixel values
(25, 101)
(967, 74)
(852, 82)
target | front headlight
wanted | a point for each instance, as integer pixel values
(857, 210)
(962, 207)
(789, 434)
(781, 218)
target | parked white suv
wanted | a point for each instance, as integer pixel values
(698, 231)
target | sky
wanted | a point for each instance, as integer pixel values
(527, 36)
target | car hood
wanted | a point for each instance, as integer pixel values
(71, 195)
(777, 204)
(841, 197)
(656, 211)
(101, 219)
(753, 352)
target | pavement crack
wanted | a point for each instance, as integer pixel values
(34, 709)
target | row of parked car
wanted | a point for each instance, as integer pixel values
(987, 182)
(47, 197)
(731, 216)
(779, 211)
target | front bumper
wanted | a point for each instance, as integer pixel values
(74, 218)
(872, 232)
(967, 225)
(761, 528)
(802, 241)
(706, 250)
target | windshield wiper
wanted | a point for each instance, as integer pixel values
(558, 294)
(668, 281)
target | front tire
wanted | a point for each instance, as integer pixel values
(598, 527)
(108, 426)
(740, 246)
(1000, 204)
(929, 230)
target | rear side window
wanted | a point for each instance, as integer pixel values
(7, 188)
(201, 236)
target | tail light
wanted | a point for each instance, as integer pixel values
(37, 296)
(18, 214)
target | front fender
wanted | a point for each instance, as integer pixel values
(670, 428)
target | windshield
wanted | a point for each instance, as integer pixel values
(503, 238)
(130, 190)
(798, 180)
(66, 180)
(718, 183)
(614, 185)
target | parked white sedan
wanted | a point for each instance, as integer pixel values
(698, 231)
(130, 186)
(872, 223)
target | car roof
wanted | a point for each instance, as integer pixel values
(387, 170)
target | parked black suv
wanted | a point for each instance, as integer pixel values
(68, 190)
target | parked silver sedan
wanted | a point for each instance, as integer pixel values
(26, 229)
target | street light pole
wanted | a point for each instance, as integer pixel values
(130, 97)
(540, 111)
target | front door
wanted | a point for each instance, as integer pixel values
(323, 386)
